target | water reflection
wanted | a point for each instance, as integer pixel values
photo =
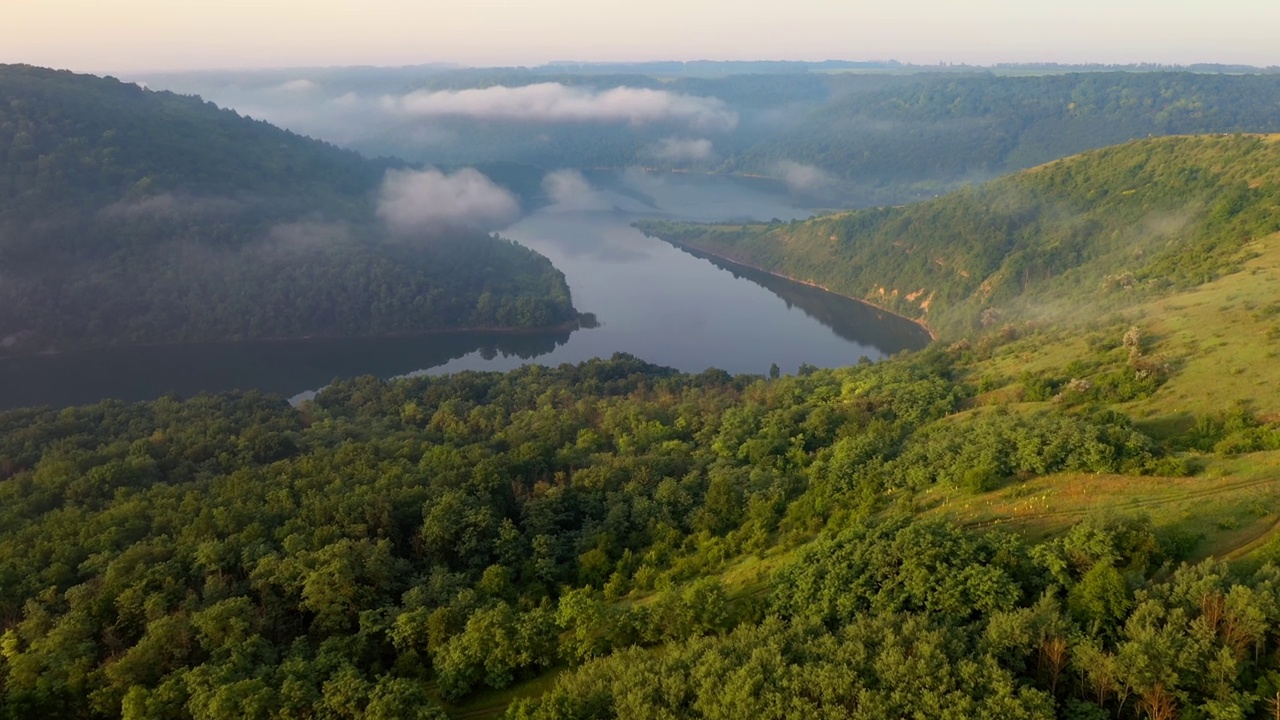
(284, 368)
(854, 321)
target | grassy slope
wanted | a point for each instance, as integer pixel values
(1221, 339)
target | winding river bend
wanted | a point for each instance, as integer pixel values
(652, 300)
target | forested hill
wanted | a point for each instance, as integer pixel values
(68, 139)
(935, 128)
(1092, 231)
(135, 216)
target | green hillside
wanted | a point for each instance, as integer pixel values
(1091, 232)
(130, 216)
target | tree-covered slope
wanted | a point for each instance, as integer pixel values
(134, 216)
(1070, 237)
(944, 127)
(72, 139)
(688, 545)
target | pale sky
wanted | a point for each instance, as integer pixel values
(141, 35)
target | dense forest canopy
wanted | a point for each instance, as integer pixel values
(391, 550)
(131, 216)
(1093, 231)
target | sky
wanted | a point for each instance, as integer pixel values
(150, 35)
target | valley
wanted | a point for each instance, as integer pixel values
(290, 432)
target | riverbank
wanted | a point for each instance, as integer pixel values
(707, 254)
(584, 321)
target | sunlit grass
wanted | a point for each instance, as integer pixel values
(1230, 506)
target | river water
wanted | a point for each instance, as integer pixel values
(651, 299)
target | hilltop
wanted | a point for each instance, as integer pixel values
(132, 216)
(1088, 233)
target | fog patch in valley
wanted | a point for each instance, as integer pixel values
(569, 191)
(642, 181)
(557, 103)
(413, 202)
(299, 85)
(804, 179)
(678, 149)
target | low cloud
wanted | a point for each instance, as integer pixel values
(645, 184)
(557, 103)
(429, 200)
(347, 100)
(425, 136)
(674, 148)
(569, 190)
(801, 178)
(299, 85)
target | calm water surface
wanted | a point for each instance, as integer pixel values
(652, 300)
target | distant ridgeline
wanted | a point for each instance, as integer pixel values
(878, 138)
(1089, 232)
(130, 216)
(938, 128)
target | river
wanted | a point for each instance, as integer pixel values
(651, 299)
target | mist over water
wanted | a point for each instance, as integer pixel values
(651, 299)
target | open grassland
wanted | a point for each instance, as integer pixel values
(1222, 338)
(1230, 507)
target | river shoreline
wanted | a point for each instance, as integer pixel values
(697, 251)
(584, 321)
